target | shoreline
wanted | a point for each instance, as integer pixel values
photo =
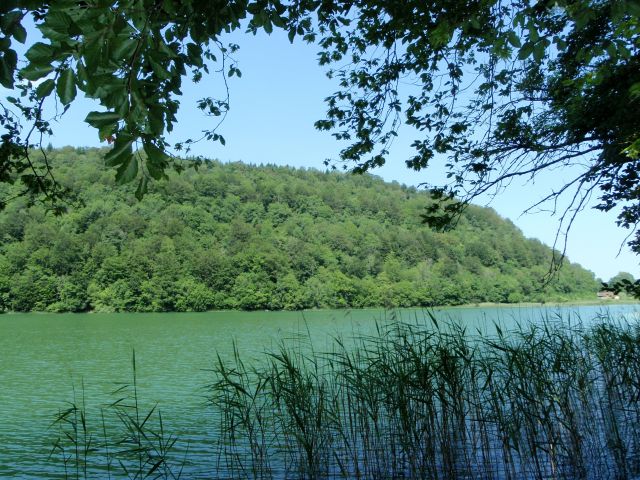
(577, 303)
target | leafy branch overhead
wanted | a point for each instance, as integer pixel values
(498, 90)
(131, 56)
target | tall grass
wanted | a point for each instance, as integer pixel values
(126, 442)
(431, 401)
(420, 400)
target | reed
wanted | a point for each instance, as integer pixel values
(427, 400)
(128, 442)
(417, 400)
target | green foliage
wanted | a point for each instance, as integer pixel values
(430, 400)
(501, 89)
(124, 439)
(131, 56)
(622, 276)
(498, 90)
(235, 236)
(624, 282)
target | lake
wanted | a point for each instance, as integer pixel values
(47, 359)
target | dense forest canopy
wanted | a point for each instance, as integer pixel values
(497, 89)
(240, 236)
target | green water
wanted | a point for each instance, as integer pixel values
(43, 357)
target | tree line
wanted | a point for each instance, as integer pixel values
(236, 236)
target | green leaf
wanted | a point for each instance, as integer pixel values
(35, 72)
(123, 49)
(102, 119)
(19, 33)
(7, 6)
(161, 72)
(142, 188)
(194, 52)
(157, 160)
(514, 39)
(8, 63)
(40, 53)
(66, 86)
(8, 20)
(526, 51)
(156, 120)
(633, 7)
(45, 88)
(128, 171)
(538, 51)
(6, 77)
(59, 22)
(121, 151)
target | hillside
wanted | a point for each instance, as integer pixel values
(244, 237)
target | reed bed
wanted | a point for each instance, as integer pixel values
(417, 400)
(431, 401)
(124, 441)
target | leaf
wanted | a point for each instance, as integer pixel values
(128, 171)
(161, 72)
(525, 51)
(6, 79)
(45, 88)
(124, 49)
(35, 72)
(102, 119)
(19, 33)
(194, 52)
(633, 7)
(157, 160)
(7, 68)
(156, 120)
(121, 151)
(538, 51)
(7, 5)
(142, 188)
(60, 22)
(268, 26)
(514, 39)
(66, 86)
(7, 20)
(40, 53)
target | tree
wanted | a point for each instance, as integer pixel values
(172, 251)
(621, 276)
(623, 281)
(500, 89)
(129, 55)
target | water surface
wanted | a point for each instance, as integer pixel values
(49, 359)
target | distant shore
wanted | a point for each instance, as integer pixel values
(577, 303)
(604, 303)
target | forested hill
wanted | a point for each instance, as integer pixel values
(245, 237)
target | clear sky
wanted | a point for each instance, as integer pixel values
(273, 108)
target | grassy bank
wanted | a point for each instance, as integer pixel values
(425, 400)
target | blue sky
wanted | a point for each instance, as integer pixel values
(273, 108)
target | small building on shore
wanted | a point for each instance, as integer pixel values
(608, 295)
